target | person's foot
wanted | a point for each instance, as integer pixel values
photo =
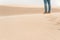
(45, 12)
(48, 11)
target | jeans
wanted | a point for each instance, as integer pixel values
(47, 7)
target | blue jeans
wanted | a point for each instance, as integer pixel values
(47, 7)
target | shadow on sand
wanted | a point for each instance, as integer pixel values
(5, 10)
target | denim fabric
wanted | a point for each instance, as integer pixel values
(47, 7)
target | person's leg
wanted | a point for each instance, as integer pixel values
(45, 6)
(49, 6)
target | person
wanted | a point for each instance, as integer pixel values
(47, 7)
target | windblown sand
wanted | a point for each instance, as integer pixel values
(30, 26)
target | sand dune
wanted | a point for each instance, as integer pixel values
(6, 10)
(18, 23)
(30, 27)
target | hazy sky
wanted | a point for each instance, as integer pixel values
(31, 2)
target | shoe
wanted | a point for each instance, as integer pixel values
(49, 12)
(45, 12)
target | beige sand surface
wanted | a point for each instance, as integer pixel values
(30, 27)
(28, 24)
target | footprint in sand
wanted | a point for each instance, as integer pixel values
(53, 19)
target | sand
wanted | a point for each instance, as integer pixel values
(9, 10)
(20, 24)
